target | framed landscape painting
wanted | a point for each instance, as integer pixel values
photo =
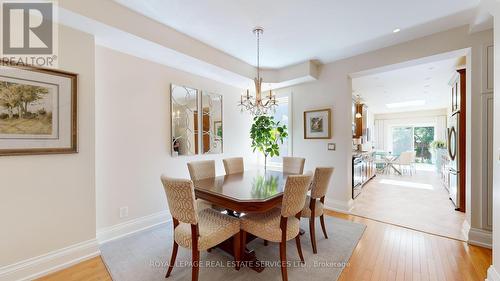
(38, 113)
(317, 124)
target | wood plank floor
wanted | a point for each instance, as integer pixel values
(89, 270)
(385, 252)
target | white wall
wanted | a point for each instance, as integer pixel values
(385, 122)
(48, 202)
(333, 89)
(133, 134)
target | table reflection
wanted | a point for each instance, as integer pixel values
(252, 185)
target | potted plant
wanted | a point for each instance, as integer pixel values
(438, 148)
(266, 135)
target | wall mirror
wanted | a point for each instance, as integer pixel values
(184, 126)
(212, 133)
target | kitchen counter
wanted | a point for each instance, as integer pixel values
(359, 153)
(363, 170)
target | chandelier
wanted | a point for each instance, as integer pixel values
(258, 105)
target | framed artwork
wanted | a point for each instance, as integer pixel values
(218, 129)
(317, 124)
(38, 111)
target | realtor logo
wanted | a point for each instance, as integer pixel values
(29, 33)
(27, 28)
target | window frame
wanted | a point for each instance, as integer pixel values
(280, 97)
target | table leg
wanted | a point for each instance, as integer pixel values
(396, 170)
(248, 257)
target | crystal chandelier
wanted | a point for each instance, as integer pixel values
(258, 105)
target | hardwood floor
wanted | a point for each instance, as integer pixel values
(385, 252)
(389, 252)
(89, 270)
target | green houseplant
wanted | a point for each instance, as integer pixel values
(438, 149)
(266, 135)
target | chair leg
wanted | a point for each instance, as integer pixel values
(322, 220)
(284, 274)
(312, 232)
(299, 247)
(195, 269)
(237, 250)
(172, 259)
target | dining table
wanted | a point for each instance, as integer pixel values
(391, 160)
(253, 191)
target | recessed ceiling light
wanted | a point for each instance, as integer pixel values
(396, 30)
(405, 104)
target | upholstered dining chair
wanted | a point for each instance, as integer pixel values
(233, 165)
(293, 165)
(199, 170)
(280, 225)
(195, 230)
(313, 207)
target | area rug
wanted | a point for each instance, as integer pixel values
(145, 256)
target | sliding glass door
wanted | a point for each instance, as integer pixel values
(413, 138)
(423, 137)
(402, 140)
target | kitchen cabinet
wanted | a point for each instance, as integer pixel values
(488, 63)
(359, 124)
(363, 170)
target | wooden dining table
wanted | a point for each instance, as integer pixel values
(253, 191)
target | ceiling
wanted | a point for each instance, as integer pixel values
(427, 82)
(300, 30)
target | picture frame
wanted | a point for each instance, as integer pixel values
(317, 124)
(38, 111)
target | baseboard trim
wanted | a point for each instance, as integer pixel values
(465, 228)
(480, 237)
(339, 206)
(132, 226)
(492, 274)
(42, 265)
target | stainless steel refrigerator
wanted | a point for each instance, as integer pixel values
(453, 153)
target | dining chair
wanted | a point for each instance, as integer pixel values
(314, 205)
(198, 231)
(199, 170)
(413, 161)
(293, 165)
(405, 161)
(233, 165)
(280, 225)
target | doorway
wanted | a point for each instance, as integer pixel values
(409, 109)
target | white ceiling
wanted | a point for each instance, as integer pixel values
(427, 82)
(299, 30)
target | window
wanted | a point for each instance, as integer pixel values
(402, 139)
(284, 117)
(423, 137)
(410, 138)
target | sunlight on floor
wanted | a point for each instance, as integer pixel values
(425, 167)
(407, 184)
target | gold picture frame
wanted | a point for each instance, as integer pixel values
(50, 116)
(318, 124)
